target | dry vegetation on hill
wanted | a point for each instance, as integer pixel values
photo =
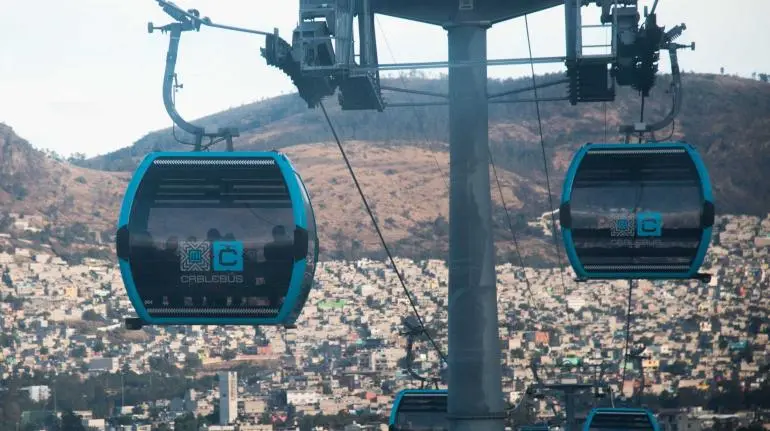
(32, 183)
(401, 160)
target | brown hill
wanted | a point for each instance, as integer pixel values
(408, 198)
(400, 157)
(59, 193)
(410, 202)
(726, 117)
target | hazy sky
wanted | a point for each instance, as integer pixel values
(85, 76)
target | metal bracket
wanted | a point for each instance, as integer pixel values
(676, 87)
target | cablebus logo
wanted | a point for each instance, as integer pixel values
(649, 224)
(228, 256)
(194, 256)
(643, 229)
(197, 256)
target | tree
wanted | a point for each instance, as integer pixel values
(291, 411)
(98, 346)
(79, 352)
(229, 355)
(187, 422)
(264, 418)
(763, 77)
(192, 362)
(76, 157)
(124, 420)
(70, 422)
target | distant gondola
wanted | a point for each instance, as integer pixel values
(617, 419)
(420, 410)
(637, 211)
(220, 238)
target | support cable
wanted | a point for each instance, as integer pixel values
(379, 232)
(605, 121)
(411, 100)
(494, 170)
(545, 167)
(628, 333)
(630, 285)
(510, 227)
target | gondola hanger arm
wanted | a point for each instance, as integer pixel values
(194, 18)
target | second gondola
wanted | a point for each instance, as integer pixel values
(637, 211)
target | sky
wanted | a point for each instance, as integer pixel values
(85, 76)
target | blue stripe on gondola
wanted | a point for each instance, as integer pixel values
(408, 392)
(566, 194)
(569, 243)
(298, 209)
(310, 218)
(123, 218)
(298, 270)
(707, 197)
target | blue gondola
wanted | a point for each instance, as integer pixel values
(420, 410)
(217, 238)
(620, 419)
(637, 211)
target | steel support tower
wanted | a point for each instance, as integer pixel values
(475, 373)
(321, 60)
(475, 388)
(475, 376)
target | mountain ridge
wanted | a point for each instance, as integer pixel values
(727, 118)
(401, 159)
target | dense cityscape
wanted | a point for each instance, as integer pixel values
(347, 356)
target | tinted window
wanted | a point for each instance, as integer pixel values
(217, 240)
(621, 422)
(636, 209)
(421, 412)
(422, 421)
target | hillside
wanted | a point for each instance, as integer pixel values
(61, 200)
(409, 200)
(401, 159)
(726, 117)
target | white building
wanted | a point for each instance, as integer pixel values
(302, 398)
(38, 393)
(228, 397)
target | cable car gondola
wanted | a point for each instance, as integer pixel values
(420, 410)
(637, 211)
(615, 419)
(220, 238)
